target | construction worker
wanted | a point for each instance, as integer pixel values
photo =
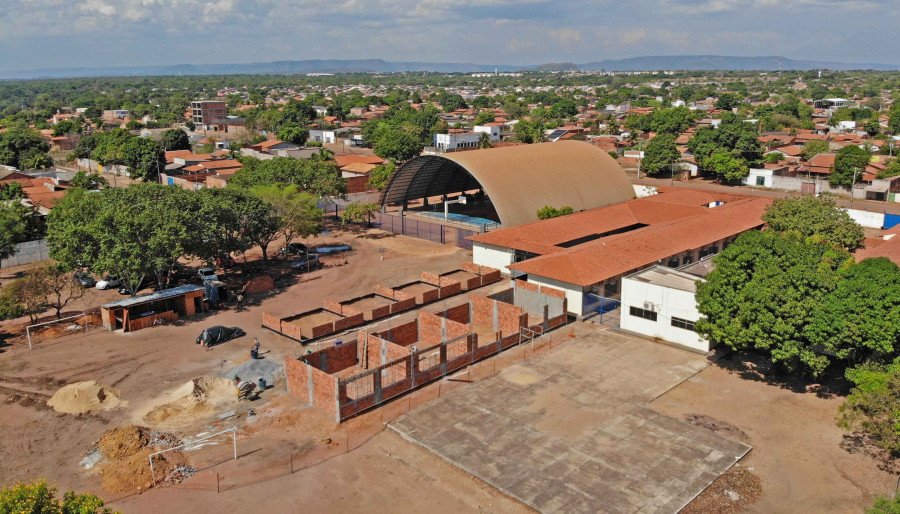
(254, 350)
(240, 299)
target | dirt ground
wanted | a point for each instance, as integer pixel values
(141, 367)
(797, 450)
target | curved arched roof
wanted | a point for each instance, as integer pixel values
(519, 180)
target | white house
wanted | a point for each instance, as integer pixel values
(759, 177)
(323, 136)
(491, 130)
(456, 141)
(659, 302)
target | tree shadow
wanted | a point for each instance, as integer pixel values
(756, 367)
(857, 442)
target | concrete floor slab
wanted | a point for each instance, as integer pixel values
(570, 431)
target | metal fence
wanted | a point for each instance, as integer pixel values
(422, 229)
(601, 309)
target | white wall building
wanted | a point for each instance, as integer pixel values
(491, 130)
(759, 177)
(659, 302)
(323, 136)
(456, 141)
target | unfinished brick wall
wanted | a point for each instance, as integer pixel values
(349, 321)
(459, 314)
(271, 322)
(452, 288)
(434, 329)
(379, 351)
(509, 318)
(404, 335)
(334, 358)
(333, 306)
(312, 386)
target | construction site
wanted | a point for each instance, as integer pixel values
(410, 374)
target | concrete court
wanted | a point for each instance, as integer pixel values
(570, 431)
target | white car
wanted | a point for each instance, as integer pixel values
(109, 282)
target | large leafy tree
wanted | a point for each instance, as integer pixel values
(760, 295)
(134, 232)
(381, 175)
(232, 221)
(297, 211)
(813, 148)
(144, 157)
(175, 139)
(817, 217)
(314, 176)
(727, 167)
(660, 155)
(859, 320)
(849, 161)
(13, 226)
(24, 148)
(873, 406)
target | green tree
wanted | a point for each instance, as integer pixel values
(528, 132)
(321, 178)
(24, 148)
(10, 306)
(144, 157)
(850, 161)
(381, 175)
(760, 295)
(359, 213)
(547, 212)
(13, 227)
(89, 181)
(728, 168)
(817, 217)
(814, 147)
(660, 155)
(132, 232)
(297, 211)
(11, 191)
(873, 406)
(233, 221)
(727, 101)
(859, 321)
(892, 170)
(293, 134)
(484, 116)
(175, 139)
(484, 141)
(396, 143)
(774, 157)
(40, 498)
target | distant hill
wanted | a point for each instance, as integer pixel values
(724, 62)
(650, 63)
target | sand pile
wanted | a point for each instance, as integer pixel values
(270, 369)
(126, 451)
(193, 401)
(83, 397)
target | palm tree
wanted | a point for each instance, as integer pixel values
(484, 141)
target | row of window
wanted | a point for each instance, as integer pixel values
(637, 312)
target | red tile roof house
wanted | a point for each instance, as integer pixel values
(588, 253)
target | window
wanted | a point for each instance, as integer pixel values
(760, 181)
(687, 259)
(683, 323)
(642, 313)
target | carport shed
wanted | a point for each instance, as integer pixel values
(142, 311)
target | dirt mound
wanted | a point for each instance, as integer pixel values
(84, 397)
(192, 401)
(127, 450)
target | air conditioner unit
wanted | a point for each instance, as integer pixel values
(648, 306)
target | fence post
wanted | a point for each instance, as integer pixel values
(292, 461)
(217, 483)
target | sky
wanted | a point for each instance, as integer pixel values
(96, 33)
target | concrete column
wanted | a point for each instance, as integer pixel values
(376, 385)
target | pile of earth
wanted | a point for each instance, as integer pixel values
(84, 397)
(126, 451)
(192, 402)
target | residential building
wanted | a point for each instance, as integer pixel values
(456, 141)
(208, 113)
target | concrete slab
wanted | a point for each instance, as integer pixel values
(570, 431)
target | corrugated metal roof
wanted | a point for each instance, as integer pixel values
(153, 297)
(519, 180)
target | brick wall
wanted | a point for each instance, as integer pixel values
(459, 314)
(349, 321)
(405, 304)
(333, 306)
(270, 321)
(357, 184)
(291, 330)
(334, 358)
(404, 335)
(482, 310)
(300, 376)
(451, 288)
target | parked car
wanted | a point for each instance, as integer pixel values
(85, 279)
(109, 282)
(307, 263)
(207, 274)
(299, 249)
